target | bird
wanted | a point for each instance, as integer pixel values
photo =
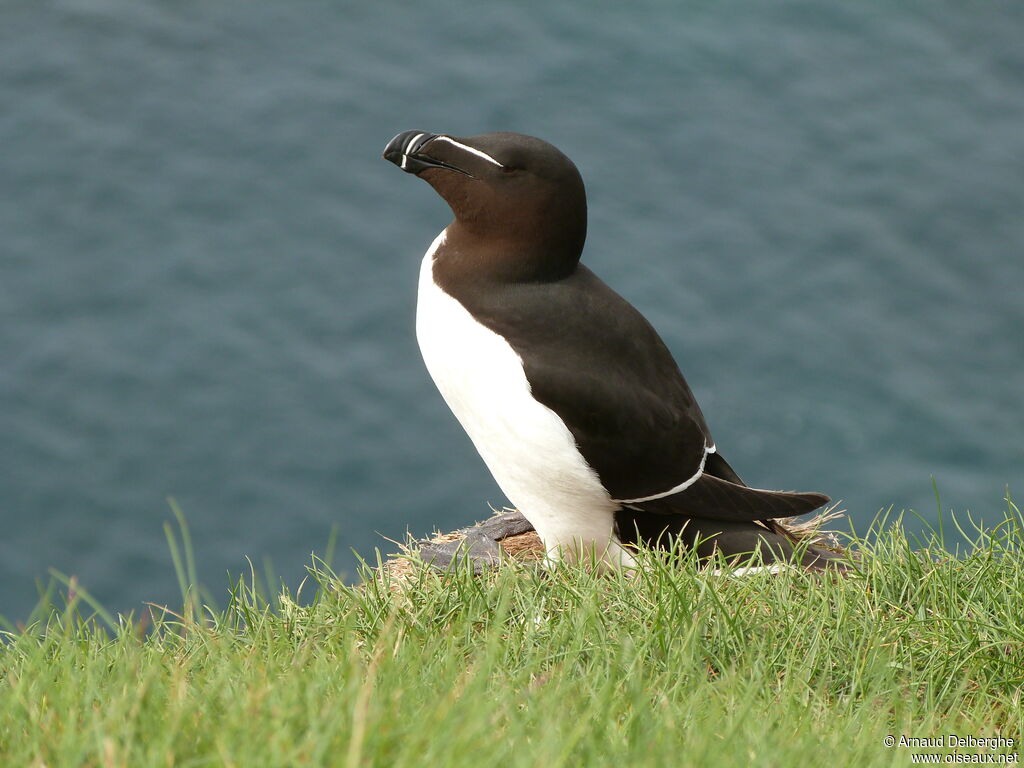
(570, 396)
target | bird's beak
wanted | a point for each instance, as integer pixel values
(408, 151)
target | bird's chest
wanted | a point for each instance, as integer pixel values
(524, 443)
(476, 370)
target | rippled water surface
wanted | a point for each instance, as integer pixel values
(207, 273)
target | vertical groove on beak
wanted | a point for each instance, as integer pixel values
(406, 143)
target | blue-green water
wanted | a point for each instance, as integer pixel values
(207, 273)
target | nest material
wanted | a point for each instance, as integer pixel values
(508, 535)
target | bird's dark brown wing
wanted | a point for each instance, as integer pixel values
(596, 362)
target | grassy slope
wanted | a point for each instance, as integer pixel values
(673, 667)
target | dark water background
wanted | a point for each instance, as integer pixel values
(207, 273)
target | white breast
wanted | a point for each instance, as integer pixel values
(526, 446)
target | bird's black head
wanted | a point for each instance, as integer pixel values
(502, 186)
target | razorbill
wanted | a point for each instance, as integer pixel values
(570, 396)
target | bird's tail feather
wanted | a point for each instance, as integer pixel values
(715, 499)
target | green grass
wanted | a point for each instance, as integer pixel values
(674, 666)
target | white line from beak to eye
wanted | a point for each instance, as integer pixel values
(469, 149)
